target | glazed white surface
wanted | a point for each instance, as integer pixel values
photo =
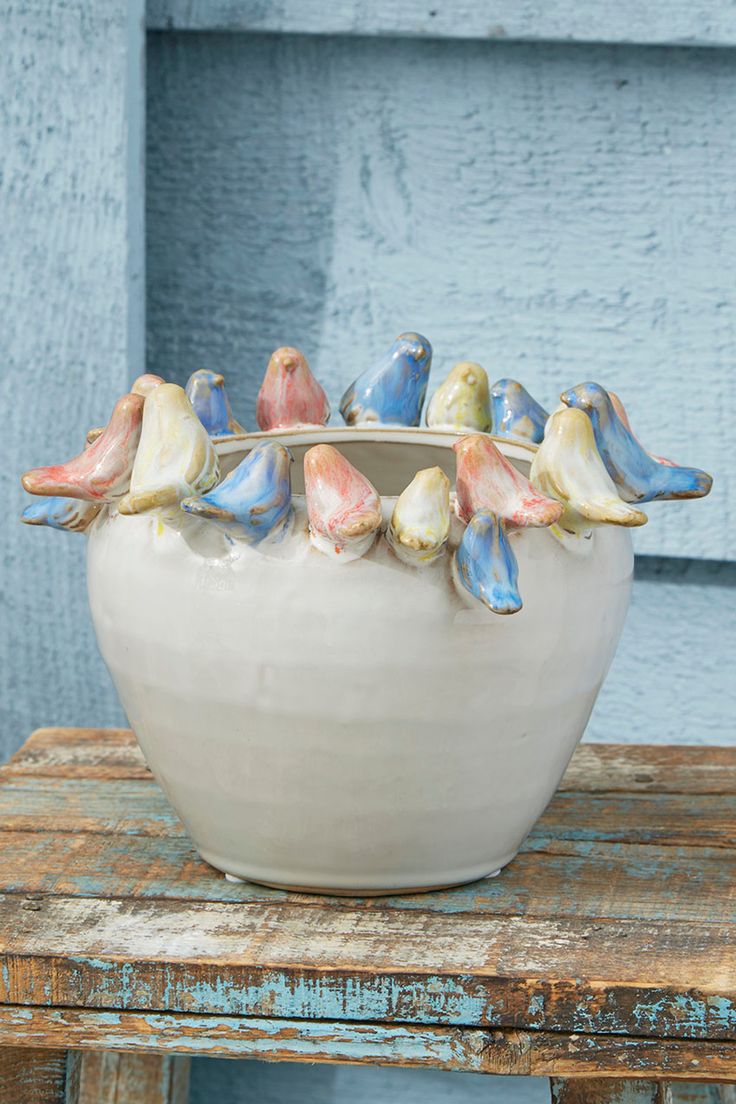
(351, 726)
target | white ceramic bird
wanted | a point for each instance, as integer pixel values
(175, 458)
(569, 467)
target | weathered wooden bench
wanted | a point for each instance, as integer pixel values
(603, 957)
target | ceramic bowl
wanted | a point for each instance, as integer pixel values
(362, 727)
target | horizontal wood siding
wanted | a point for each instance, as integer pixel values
(552, 212)
(658, 23)
(71, 301)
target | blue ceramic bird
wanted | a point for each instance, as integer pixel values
(485, 564)
(72, 515)
(514, 413)
(256, 494)
(206, 392)
(392, 392)
(638, 476)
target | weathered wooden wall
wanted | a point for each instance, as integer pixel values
(557, 209)
(555, 212)
(71, 304)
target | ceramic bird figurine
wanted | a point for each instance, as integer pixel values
(206, 392)
(462, 401)
(638, 476)
(620, 409)
(485, 564)
(515, 413)
(487, 481)
(256, 494)
(569, 467)
(290, 395)
(175, 458)
(73, 515)
(102, 472)
(344, 508)
(625, 456)
(144, 384)
(392, 392)
(420, 523)
(141, 386)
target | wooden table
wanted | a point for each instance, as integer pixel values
(604, 951)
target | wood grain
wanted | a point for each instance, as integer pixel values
(605, 949)
(32, 1076)
(630, 977)
(106, 1077)
(111, 753)
(550, 877)
(135, 807)
(539, 219)
(71, 239)
(81, 753)
(676, 23)
(610, 1091)
(477, 1050)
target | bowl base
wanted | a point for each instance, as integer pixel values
(325, 892)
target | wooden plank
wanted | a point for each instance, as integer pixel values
(79, 753)
(703, 1094)
(474, 1050)
(546, 209)
(552, 878)
(609, 1091)
(661, 24)
(32, 1076)
(136, 807)
(105, 1077)
(648, 768)
(111, 753)
(645, 977)
(122, 806)
(682, 819)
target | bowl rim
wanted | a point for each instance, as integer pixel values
(418, 435)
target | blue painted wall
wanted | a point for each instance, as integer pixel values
(555, 211)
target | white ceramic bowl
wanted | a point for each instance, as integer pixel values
(357, 727)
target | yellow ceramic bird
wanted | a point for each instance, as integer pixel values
(569, 467)
(462, 401)
(175, 457)
(420, 523)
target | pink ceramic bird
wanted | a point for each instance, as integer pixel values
(102, 472)
(143, 385)
(620, 409)
(487, 481)
(289, 394)
(344, 508)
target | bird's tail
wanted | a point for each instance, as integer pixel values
(681, 483)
